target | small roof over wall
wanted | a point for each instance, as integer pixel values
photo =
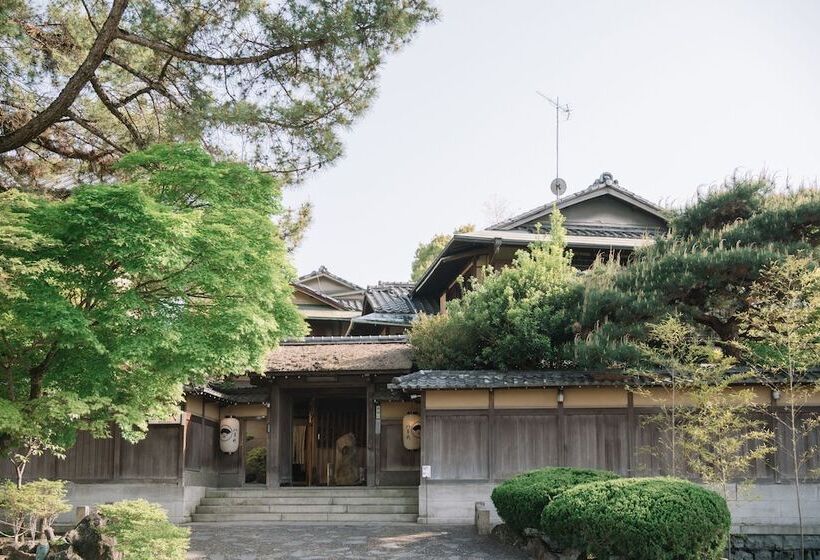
(483, 379)
(340, 355)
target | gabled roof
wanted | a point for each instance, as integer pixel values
(591, 235)
(319, 296)
(323, 271)
(605, 185)
(335, 291)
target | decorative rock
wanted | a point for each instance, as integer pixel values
(88, 543)
(346, 466)
(505, 535)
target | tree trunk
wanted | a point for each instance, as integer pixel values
(58, 108)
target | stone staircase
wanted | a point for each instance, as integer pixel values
(318, 504)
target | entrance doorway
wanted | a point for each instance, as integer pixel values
(329, 440)
(255, 450)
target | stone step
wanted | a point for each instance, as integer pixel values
(301, 508)
(310, 492)
(310, 500)
(307, 517)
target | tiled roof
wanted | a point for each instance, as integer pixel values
(397, 319)
(484, 379)
(480, 379)
(372, 339)
(599, 230)
(397, 298)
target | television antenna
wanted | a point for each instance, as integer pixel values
(558, 185)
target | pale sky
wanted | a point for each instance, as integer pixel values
(668, 96)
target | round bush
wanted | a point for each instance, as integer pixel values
(520, 500)
(640, 519)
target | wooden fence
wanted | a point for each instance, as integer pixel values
(157, 458)
(492, 444)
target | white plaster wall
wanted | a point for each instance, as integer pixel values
(757, 508)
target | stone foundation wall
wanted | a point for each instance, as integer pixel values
(756, 509)
(177, 500)
(774, 547)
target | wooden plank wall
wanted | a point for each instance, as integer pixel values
(495, 444)
(201, 444)
(156, 458)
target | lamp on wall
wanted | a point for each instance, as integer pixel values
(561, 395)
(775, 394)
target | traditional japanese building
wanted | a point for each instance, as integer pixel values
(344, 407)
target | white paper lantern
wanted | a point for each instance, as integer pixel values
(411, 431)
(229, 435)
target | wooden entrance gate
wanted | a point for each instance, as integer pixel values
(314, 441)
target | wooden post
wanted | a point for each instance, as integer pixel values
(116, 468)
(562, 452)
(202, 434)
(491, 437)
(274, 433)
(371, 431)
(777, 430)
(183, 429)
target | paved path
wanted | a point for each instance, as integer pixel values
(211, 541)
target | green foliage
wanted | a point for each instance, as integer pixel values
(781, 339)
(426, 253)
(724, 205)
(16, 240)
(781, 326)
(521, 499)
(143, 531)
(640, 519)
(256, 465)
(175, 275)
(514, 318)
(271, 82)
(35, 503)
(713, 424)
(703, 271)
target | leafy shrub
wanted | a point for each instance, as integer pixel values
(518, 317)
(36, 503)
(256, 465)
(143, 531)
(520, 500)
(641, 519)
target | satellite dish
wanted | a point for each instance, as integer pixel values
(558, 186)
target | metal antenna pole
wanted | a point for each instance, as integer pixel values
(566, 110)
(557, 135)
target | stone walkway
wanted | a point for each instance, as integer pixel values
(212, 541)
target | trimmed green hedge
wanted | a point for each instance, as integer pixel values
(520, 500)
(640, 519)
